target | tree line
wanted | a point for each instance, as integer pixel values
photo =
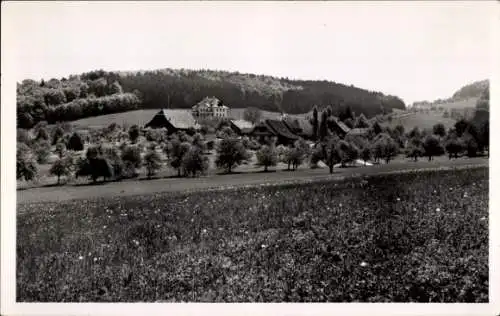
(70, 99)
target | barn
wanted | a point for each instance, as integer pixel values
(174, 121)
(274, 128)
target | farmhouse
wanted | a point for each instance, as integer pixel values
(274, 128)
(173, 121)
(241, 127)
(299, 126)
(210, 107)
(337, 126)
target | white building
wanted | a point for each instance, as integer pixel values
(210, 107)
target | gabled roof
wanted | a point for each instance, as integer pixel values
(340, 124)
(358, 131)
(180, 119)
(210, 102)
(280, 129)
(299, 125)
(244, 126)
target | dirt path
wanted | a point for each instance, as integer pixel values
(139, 187)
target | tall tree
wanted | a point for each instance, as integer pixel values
(315, 123)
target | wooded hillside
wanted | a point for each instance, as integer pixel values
(101, 92)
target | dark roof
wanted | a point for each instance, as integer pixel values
(180, 119)
(344, 128)
(280, 129)
(300, 126)
(243, 126)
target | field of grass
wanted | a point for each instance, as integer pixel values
(460, 104)
(421, 120)
(412, 237)
(138, 117)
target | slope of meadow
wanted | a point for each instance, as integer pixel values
(422, 120)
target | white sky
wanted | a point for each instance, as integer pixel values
(418, 51)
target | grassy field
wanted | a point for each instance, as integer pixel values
(461, 104)
(421, 120)
(138, 117)
(412, 237)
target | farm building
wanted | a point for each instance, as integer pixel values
(299, 126)
(337, 126)
(173, 121)
(358, 132)
(274, 128)
(210, 107)
(241, 127)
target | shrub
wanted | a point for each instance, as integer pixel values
(230, 153)
(23, 136)
(439, 130)
(95, 168)
(366, 154)
(471, 145)
(176, 150)
(384, 147)
(60, 149)
(347, 152)
(58, 134)
(41, 133)
(432, 147)
(415, 133)
(199, 141)
(331, 153)
(133, 133)
(316, 156)
(42, 151)
(152, 162)
(414, 149)
(75, 142)
(267, 156)
(454, 147)
(61, 167)
(26, 167)
(131, 157)
(295, 155)
(194, 162)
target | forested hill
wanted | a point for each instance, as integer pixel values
(94, 90)
(473, 90)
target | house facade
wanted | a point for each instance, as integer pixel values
(210, 107)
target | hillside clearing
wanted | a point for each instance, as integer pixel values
(421, 120)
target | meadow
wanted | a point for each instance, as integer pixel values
(408, 237)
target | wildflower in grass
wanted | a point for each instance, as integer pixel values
(263, 246)
(438, 209)
(364, 264)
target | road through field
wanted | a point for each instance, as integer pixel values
(124, 188)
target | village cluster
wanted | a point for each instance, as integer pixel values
(207, 138)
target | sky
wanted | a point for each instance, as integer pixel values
(415, 50)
